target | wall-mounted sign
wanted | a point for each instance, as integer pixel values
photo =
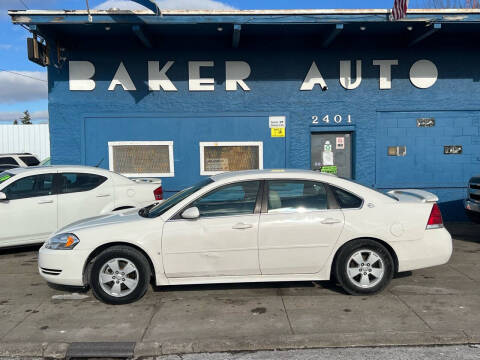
(277, 132)
(340, 143)
(276, 121)
(425, 122)
(83, 75)
(334, 119)
(330, 169)
(397, 151)
(452, 149)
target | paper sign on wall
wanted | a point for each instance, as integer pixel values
(329, 169)
(340, 143)
(327, 158)
(277, 131)
(276, 121)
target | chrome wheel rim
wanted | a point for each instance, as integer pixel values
(118, 277)
(365, 268)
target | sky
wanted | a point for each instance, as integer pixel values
(23, 84)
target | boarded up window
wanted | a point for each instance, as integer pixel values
(136, 159)
(220, 158)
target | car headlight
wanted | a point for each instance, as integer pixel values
(62, 242)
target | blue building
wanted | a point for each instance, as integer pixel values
(184, 94)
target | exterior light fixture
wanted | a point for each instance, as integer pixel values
(363, 28)
(409, 28)
(220, 28)
(107, 28)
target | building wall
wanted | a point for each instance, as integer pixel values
(33, 139)
(81, 122)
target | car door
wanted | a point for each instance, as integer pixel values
(222, 241)
(29, 214)
(299, 224)
(83, 195)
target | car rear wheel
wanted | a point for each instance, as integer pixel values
(120, 275)
(364, 267)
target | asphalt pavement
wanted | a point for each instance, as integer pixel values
(434, 306)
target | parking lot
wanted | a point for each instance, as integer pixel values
(432, 306)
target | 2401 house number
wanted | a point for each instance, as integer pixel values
(335, 119)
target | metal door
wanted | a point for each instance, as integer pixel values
(332, 153)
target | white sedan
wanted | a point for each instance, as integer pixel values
(271, 225)
(37, 201)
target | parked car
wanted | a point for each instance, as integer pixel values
(45, 162)
(472, 202)
(37, 201)
(278, 225)
(10, 161)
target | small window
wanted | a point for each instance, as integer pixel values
(142, 158)
(30, 160)
(78, 182)
(30, 186)
(296, 196)
(345, 199)
(8, 161)
(234, 199)
(218, 157)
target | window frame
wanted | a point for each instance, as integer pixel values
(203, 144)
(112, 144)
(60, 183)
(349, 192)
(256, 209)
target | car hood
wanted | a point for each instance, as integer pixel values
(126, 216)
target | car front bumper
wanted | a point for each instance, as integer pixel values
(472, 206)
(64, 267)
(435, 248)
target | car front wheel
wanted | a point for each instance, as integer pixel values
(364, 267)
(119, 275)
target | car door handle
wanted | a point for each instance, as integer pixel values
(331, 221)
(46, 201)
(242, 226)
(103, 195)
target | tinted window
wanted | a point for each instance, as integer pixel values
(30, 186)
(8, 161)
(234, 199)
(30, 160)
(77, 182)
(4, 176)
(296, 196)
(345, 199)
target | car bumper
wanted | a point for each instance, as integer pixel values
(472, 206)
(435, 248)
(64, 267)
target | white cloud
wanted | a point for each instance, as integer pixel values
(9, 116)
(167, 4)
(5, 46)
(22, 86)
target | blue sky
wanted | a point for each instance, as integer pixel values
(19, 93)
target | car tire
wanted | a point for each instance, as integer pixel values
(119, 275)
(363, 267)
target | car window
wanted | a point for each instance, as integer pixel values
(234, 199)
(30, 186)
(78, 182)
(30, 160)
(4, 176)
(8, 161)
(296, 196)
(345, 199)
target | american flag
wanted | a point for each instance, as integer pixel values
(399, 10)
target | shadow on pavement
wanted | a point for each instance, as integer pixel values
(465, 231)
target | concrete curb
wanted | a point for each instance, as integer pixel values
(282, 342)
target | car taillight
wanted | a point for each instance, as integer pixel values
(158, 192)
(435, 220)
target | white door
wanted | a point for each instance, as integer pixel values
(298, 231)
(83, 195)
(29, 215)
(222, 241)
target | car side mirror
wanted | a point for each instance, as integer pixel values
(3, 197)
(191, 213)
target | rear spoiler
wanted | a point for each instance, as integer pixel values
(146, 180)
(413, 195)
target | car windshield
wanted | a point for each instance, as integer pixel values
(4, 176)
(173, 200)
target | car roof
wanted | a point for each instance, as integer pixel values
(17, 154)
(20, 170)
(276, 173)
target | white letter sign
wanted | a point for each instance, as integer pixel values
(385, 72)
(195, 82)
(122, 78)
(423, 74)
(313, 77)
(80, 73)
(236, 72)
(346, 76)
(158, 80)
